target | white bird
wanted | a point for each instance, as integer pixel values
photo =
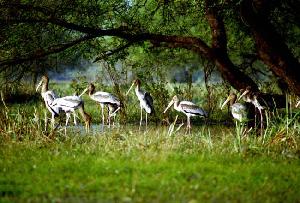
(146, 101)
(69, 104)
(188, 108)
(48, 96)
(104, 98)
(238, 110)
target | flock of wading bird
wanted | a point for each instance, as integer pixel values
(255, 103)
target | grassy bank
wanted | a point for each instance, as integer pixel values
(215, 163)
(149, 166)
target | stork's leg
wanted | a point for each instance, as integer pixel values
(141, 118)
(102, 113)
(68, 114)
(261, 122)
(255, 126)
(146, 120)
(108, 119)
(188, 125)
(75, 121)
(52, 120)
(46, 120)
(87, 127)
(114, 113)
(114, 120)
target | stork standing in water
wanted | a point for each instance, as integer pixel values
(104, 98)
(146, 101)
(188, 108)
(69, 104)
(48, 96)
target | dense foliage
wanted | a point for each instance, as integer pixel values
(37, 36)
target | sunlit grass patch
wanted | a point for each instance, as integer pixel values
(141, 167)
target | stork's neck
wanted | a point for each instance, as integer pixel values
(137, 88)
(232, 101)
(176, 106)
(91, 92)
(45, 87)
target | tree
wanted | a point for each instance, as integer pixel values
(271, 47)
(117, 25)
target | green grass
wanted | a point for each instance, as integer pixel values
(126, 165)
(215, 163)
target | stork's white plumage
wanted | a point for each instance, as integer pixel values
(104, 98)
(188, 108)
(146, 101)
(238, 110)
(69, 104)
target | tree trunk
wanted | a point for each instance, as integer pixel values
(219, 55)
(270, 46)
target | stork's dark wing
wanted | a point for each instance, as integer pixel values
(189, 107)
(149, 101)
(272, 101)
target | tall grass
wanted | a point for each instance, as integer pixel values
(123, 164)
(31, 123)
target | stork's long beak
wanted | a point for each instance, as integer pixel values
(298, 103)
(169, 105)
(225, 102)
(84, 91)
(38, 86)
(243, 94)
(129, 89)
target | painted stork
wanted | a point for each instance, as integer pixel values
(263, 101)
(104, 98)
(238, 110)
(146, 101)
(252, 97)
(266, 101)
(69, 104)
(188, 108)
(48, 96)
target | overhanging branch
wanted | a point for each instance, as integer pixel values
(111, 52)
(42, 52)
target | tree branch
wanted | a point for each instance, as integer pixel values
(270, 46)
(217, 53)
(111, 52)
(229, 72)
(42, 53)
